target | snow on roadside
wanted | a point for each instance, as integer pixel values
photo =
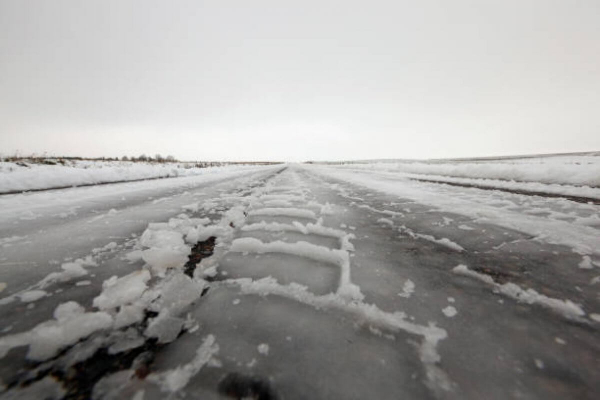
(581, 238)
(534, 187)
(14, 177)
(583, 170)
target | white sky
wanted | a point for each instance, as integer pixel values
(299, 80)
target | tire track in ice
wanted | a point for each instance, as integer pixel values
(347, 299)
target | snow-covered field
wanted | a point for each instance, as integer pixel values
(574, 175)
(299, 281)
(23, 176)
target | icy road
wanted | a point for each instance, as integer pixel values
(298, 282)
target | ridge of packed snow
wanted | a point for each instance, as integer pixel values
(309, 228)
(564, 307)
(307, 250)
(177, 378)
(284, 212)
(367, 313)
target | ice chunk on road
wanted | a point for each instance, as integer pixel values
(71, 323)
(129, 314)
(119, 291)
(32, 295)
(408, 289)
(161, 238)
(586, 263)
(449, 311)
(71, 270)
(134, 256)
(161, 259)
(179, 292)
(263, 349)
(164, 327)
(175, 295)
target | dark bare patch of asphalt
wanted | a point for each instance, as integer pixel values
(200, 251)
(578, 199)
(240, 386)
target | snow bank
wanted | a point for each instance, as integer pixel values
(14, 177)
(582, 239)
(573, 170)
(532, 187)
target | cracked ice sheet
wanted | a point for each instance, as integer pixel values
(480, 205)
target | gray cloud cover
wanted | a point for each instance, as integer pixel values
(298, 80)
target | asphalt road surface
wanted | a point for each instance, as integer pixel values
(315, 288)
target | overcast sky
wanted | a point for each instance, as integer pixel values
(299, 80)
